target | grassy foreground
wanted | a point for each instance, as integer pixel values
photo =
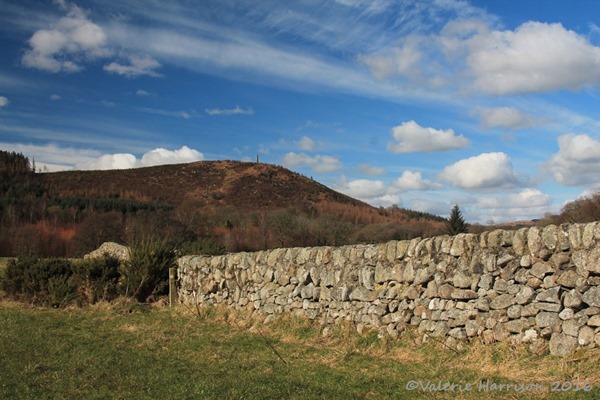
(127, 351)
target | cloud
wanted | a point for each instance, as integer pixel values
(167, 113)
(142, 93)
(55, 97)
(51, 157)
(237, 110)
(318, 163)
(577, 162)
(137, 66)
(4, 101)
(436, 207)
(535, 57)
(506, 117)
(370, 170)
(61, 48)
(411, 137)
(485, 171)
(374, 192)
(158, 156)
(306, 144)
(414, 181)
(525, 205)
(162, 156)
(527, 198)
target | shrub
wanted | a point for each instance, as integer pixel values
(40, 281)
(96, 279)
(59, 282)
(205, 246)
(146, 272)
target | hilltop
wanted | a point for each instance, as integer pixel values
(206, 206)
(208, 184)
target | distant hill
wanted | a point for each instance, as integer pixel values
(207, 184)
(207, 206)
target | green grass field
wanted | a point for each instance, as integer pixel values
(127, 351)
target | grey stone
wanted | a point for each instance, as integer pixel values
(541, 269)
(517, 325)
(524, 295)
(514, 311)
(592, 296)
(552, 307)
(594, 320)
(485, 281)
(462, 281)
(593, 264)
(460, 294)
(567, 313)
(549, 296)
(471, 328)
(573, 299)
(502, 301)
(457, 333)
(545, 319)
(562, 345)
(423, 275)
(586, 336)
(569, 279)
(571, 326)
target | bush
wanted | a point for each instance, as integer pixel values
(59, 282)
(146, 272)
(204, 246)
(45, 282)
(96, 279)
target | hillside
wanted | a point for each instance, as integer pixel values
(207, 184)
(207, 206)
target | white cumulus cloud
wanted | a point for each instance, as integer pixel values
(535, 57)
(485, 171)
(413, 180)
(3, 101)
(61, 47)
(318, 163)
(525, 205)
(411, 137)
(577, 162)
(158, 156)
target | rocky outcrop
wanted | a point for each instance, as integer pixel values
(528, 286)
(111, 249)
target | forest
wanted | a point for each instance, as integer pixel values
(70, 214)
(43, 217)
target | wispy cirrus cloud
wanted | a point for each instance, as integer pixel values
(237, 110)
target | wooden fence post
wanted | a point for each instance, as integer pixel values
(172, 287)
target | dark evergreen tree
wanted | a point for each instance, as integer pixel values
(456, 223)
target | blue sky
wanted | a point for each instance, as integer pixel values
(494, 105)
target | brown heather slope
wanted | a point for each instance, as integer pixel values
(205, 184)
(235, 205)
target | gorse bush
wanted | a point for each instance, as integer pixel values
(146, 272)
(60, 282)
(97, 279)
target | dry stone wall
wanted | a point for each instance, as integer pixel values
(530, 286)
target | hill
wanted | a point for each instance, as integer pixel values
(207, 184)
(207, 206)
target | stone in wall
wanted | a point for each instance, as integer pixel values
(527, 286)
